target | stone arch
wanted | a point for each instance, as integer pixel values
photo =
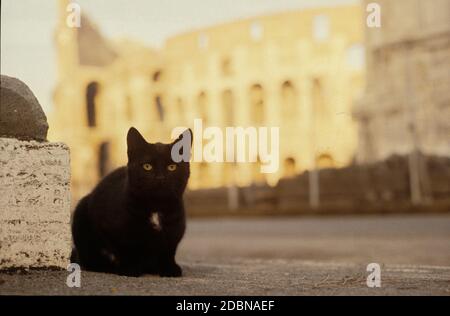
(289, 167)
(228, 107)
(325, 160)
(156, 76)
(91, 106)
(257, 104)
(202, 106)
(289, 100)
(318, 101)
(226, 67)
(159, 108)
(104, 158)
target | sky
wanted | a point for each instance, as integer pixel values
(27, 28)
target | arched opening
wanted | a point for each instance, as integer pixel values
(156, 76)
(202, 104)
(104, 159)
(91, 95)
(289, 167)
(289, 101)
(159, 108)
(226, 67)
(325, 161)
(318, 100)
(228, 107)
(257, 104)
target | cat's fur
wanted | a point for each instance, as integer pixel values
(112, 227)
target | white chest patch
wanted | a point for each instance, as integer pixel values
(155, 222)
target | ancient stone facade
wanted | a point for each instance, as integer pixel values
(297, 70)
(407, 101)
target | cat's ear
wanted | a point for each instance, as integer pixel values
(181, 147)
(135, 141)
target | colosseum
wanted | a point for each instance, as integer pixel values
(298, 70)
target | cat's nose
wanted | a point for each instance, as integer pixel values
(159, 177)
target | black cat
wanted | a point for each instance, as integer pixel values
(132, 222)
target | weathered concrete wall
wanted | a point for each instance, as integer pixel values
(34, 204)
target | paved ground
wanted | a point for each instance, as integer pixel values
(287, 256)
(346, 239)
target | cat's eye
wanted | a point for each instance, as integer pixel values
(171, 167)
(147, 166)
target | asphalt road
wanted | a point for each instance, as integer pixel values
(283, 256)
(413, 239)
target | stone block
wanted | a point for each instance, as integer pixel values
(34, 204)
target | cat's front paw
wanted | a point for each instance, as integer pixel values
(173, 271)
